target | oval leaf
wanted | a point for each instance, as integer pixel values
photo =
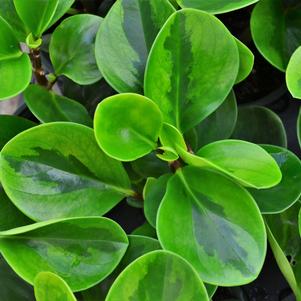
(224, 247)
(127, 126)
(48, 107)
(299, 127)
(125, 38)
(286, 193)
(189, 75)
(82, 251)
(216, 6)
(276, 30)
(15, 76)
(259, 125)
(57, 170)
(166, 276)
(72, 49)
(293, 74)
(51, 287)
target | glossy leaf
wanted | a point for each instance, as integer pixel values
(10, 126)
(48, 106)
(226, 248)
(125, 38)
(220, 124)
(276, 30)
(57, 170)
(166, 276)
(285, 243)
(9, 45)
(188, 74)
(293, 74)
(246, 162)
(82, 251)
(216, 6)
(127, 126)
(260, 125)
(50, 287)
(15, 76)
(299, 127)
(74, 56)
(36, 14)
(246, 62)
(153, 193)
(286, 193)
(62, 8)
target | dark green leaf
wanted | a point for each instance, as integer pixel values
(287, 192)
(213, 223)
(259, 125)
(188, 73)
(72, 49)
(166, 276)
(293, 74)
(125, 38)
(83, 251)
(145, 230)
(127, 126)
(48, 106)
(57, 170)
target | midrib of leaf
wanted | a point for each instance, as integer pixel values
(40, 28)
(149, 142)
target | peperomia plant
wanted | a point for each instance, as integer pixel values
(171, 141)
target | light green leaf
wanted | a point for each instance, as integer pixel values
(286, 193)
(62, 8)
(216, 6)
(293, 74)
(299, 127)
(83, 251)
(36, 14)
(221, 231)
(276, 30)
(125, 38)
(160, 276)
(243, 161)
(50, 287)
(15, 76)
(189, 74)
(10, 126)
(57, 170)
(259, 125)
(72, 49)
(127, 126)
(171, 137)
(48, 106)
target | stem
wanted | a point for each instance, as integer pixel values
(35, 56)
(175, 165)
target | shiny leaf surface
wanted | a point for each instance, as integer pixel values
(293, 74)
(64, 175)
(61, 9)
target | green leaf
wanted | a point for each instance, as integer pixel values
(125, 38)
(10, 126)
(219, 231)
(243, 161)
(286, 193)
(15, 76)
(138, 246)
(259, 125)
(276, 30)
(145, 230)
(171, 137)
(293, 74)
(48, 106)
(160, 276)
(8, 12)
(285, 243)
(218, 125)
(57, 170)
(188, 74)
(12, 287)
(153, 193)
(36, 14)
(246, 64)
(10, 216)
(9, 45)
(127, 126)
(216, 6)
(51, 287)
(299, 127)
(62, 8)
(72, 49)
(83, 251)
